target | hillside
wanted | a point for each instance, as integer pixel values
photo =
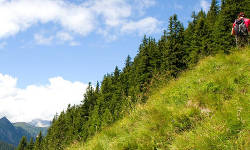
(207, 107)
(11, 133)
(203, 108)
(32, 130)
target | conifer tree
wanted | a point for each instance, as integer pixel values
(107, 118)
(189, 38)
(38, 142)
(200, 38)
(30, 144)
(210, 24)
(175, 53)
(23, 144)
(162, 46)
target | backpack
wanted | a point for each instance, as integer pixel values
(240, 27)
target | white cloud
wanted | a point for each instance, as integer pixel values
(113, 11)
(18, 15)
(40, 39)
(60, 38)
(84, 18)
(147, 25)
(141, 5)
(204, 5)
(37, 101)
(109, 37)
(64, 36)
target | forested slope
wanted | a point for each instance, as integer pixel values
(156, 63)
(205, 108)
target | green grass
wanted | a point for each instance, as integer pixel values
(206, 108)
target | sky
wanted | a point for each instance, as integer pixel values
(51, 49)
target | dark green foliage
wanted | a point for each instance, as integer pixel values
(30, 144)
(38, 142)
(23, 144)
(174, 55)
(121, 90)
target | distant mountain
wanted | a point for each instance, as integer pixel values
(6, 146)
(32, 130)
(10, 134)
(40, 123)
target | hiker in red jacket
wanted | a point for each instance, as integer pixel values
(241, 28)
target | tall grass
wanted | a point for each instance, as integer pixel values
(205, 108)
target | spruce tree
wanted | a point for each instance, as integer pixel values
(23, 144)
(30, 144)
(38, 142)
(210, 24)
(175, 53)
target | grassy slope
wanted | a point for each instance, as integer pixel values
(206, 108)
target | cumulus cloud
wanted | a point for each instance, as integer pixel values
(60, 38)
(40, 39)
(18, 15)
(204, 5)
(83, 18)
(141, 5)
(112, 11)
(37, 101)
(147, 25)
(64, 36)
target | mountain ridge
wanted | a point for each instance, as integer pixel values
(31, 129)
(11, 133)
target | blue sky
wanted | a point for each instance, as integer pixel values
(45, 44)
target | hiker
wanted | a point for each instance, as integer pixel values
(241, 28)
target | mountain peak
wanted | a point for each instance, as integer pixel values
(5, 120)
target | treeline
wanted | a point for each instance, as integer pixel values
(31, 145)
(208, 33)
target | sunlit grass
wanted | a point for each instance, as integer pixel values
(205, 108)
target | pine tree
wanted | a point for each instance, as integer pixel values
(210, 24)
(175, 53)
(30, 144)
(162, 46)
(107, 118)
(23, 144)
(38, 142)
(201, 38)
